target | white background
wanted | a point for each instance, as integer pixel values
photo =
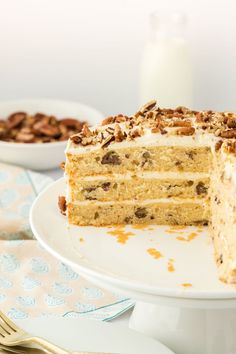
(89, 50)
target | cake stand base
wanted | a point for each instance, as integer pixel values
(187, 330)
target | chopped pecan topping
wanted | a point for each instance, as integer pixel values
(228, 134)
(87, 141)
(185, 131)
(181, 109)
(107, 141)
(139, 114)
(118, 134)
(120, 118)
(218, 132)
(108, 120)
(135, 133)
(203, 117)
(218, 145)
(199, 117)
(148, 106)
(231, 147)
(86, 131)
(110, 130)
(163, 131)
(62, 204)
(231, 122)
(76, 139)
(150, 117)
(155, 130)
(181, 123)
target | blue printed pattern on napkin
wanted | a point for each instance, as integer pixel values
(18, 189)
(33, 283)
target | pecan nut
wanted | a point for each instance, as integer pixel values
(185, 131)
(228, 134)
(108, 120)
(15, 119)
(148, 106)
(62, 204)
(21, 127)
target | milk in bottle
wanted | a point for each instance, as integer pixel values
(166, 70)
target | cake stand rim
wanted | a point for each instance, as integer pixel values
(182, 294)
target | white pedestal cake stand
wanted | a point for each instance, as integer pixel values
(170, 271)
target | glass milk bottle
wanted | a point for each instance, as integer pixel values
(166, 70)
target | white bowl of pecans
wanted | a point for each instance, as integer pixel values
(34, 132)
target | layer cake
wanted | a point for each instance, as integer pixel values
(159, 166)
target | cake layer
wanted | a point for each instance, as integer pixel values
(136, 159)
(160, 211)
(139, 187)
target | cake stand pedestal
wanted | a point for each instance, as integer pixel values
(188, 330)
(185, 325)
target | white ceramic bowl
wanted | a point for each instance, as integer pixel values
(42, 156)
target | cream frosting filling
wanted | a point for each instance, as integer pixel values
(199, 139)
(148, 175)
(144, 202)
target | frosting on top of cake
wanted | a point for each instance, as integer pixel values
(152, 125)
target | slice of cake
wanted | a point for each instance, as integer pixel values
(159, 166)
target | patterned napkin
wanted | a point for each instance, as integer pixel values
(32, 282)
